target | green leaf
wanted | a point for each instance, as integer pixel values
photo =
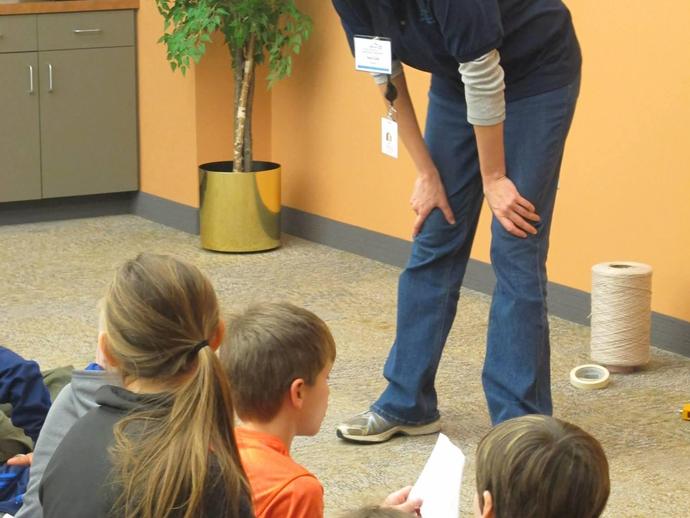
(278, 26)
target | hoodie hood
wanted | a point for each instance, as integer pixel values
(84, 386)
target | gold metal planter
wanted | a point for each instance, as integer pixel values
(239, 212)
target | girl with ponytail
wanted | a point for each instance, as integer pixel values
(162, 446)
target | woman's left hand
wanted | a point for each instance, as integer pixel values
(427, 195)
(511, 210)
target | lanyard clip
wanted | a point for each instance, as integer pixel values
(391, 112)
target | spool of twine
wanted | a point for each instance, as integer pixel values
(621, 314)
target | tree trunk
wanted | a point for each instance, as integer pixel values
(237, 68)
(241, 108)
(248, 152)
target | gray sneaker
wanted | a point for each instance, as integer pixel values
(371, 427)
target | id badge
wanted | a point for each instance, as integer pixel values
(373, 54)
(389, 137)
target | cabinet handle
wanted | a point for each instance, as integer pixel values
(50, 77)
(87, 31)
(31, 79)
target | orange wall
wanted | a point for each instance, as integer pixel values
(625, 189)
(167, 117)
(625, 185)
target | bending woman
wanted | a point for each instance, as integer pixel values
(505, 77)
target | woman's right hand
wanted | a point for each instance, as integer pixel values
(428, 194)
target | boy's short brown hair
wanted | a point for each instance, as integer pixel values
(268, 347)
(540, 467)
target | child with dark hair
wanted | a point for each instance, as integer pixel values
(538, 466)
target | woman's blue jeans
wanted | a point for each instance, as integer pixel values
(516, 375)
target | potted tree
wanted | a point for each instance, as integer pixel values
(239, 199)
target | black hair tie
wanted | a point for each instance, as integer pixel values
(198, 347)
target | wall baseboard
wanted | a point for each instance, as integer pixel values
(52, 209)
(669, 333)
(167, 212)
(160, 210)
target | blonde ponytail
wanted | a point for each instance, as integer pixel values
(159, 313)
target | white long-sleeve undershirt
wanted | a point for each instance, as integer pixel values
(484, 88)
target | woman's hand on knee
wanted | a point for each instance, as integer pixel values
(512, 211)
(428, 194)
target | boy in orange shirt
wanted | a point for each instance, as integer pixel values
(278, 358)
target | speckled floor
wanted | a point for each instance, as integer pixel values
(52, 275)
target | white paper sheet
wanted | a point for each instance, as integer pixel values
(439, 483)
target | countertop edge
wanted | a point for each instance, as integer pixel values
(67, 6)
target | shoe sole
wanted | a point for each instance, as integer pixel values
(388, 434)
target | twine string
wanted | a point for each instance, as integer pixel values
(621, 313)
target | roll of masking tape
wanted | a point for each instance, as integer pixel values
(589, 377)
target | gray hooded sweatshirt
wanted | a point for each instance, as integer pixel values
(75, 400)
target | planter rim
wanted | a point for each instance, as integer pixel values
(225, 166)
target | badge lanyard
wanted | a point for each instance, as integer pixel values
(389, 127)
(374, 55)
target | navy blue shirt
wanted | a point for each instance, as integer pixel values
(21, 384)
(535, 38)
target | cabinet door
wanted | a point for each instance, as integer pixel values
(88, 121)
(20, 152)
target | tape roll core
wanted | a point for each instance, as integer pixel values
(589, 377)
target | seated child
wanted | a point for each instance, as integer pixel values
(540, 467)
(25, 397)
(278, 358)
(72, 403)
(162, 445)
(22, 387)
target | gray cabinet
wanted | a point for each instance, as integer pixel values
(88, 123)
(82, 70)
(20, 149)
(20, 152)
